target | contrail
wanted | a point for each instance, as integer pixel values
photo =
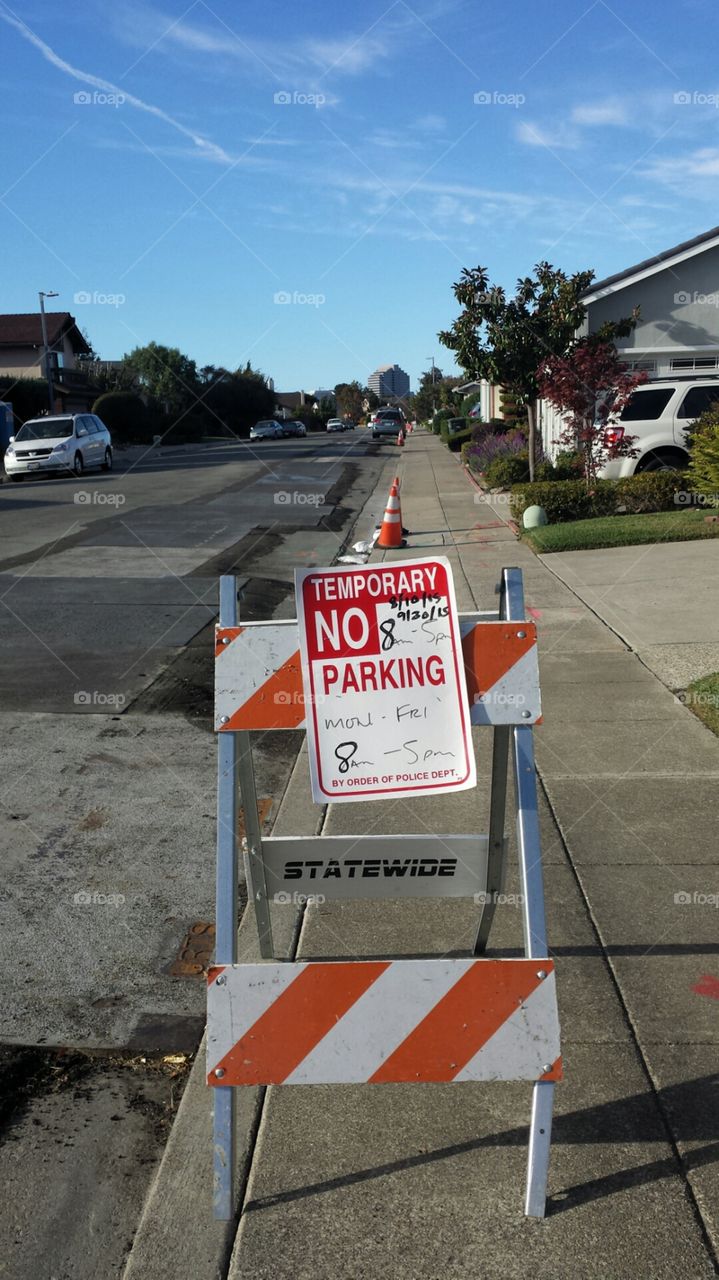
(203, 144)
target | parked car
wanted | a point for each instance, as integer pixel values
(347, 424)
(63, 442)
(335, 424)
(268, 429)
(658, 416)
(387, 423)
(293, 428)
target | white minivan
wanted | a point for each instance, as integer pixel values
(658, 415)
(66, 442)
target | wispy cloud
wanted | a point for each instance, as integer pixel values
(203, 145)
(302, 58)
(593, 114)
(535, 135)
(673, 171)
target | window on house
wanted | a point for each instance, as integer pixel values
(693, 362)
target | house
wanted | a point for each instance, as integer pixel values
(288, 402)
(22, 356)
(677, 293)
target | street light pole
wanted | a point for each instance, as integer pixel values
(46, 357)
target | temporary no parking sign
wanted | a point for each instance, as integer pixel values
(384, 681)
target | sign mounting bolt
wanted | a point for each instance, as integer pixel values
(224, 719)
(521, 635)
(541, 973)
(220, 1071)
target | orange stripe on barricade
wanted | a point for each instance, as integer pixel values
(490, 651)
(556, 1072)
(278, 704)
(224, 637)
(459, 1024)
(290, 1028)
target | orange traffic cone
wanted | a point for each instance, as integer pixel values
(400, 439)
(390, 535)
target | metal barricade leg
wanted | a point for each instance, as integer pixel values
(234, 767)
(257, 880)
(535, 945)
(533, 914)
(540, 1139)
(496, 845)
(225, 953)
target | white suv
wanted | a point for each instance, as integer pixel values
(60, 442)
(658, 416)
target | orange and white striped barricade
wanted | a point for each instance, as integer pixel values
(396, 1019)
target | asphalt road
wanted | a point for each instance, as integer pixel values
(103, 579)
(108, 588)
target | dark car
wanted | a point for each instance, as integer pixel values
(293, 428)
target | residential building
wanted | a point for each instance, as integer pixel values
(288, 402)
(22, 355)
(677, 293)
(389, 382)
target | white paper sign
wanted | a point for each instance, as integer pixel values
(386, 696)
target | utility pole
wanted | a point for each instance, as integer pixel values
(46, 356)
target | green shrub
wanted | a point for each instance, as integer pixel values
(651, 491)
(126, 416)
(457, 440)
(565, 499)
(568, 466)
(704, 455)
(502, 473)
(28, 397)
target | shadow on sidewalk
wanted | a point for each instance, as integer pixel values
(691, 1106)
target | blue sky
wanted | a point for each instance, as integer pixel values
(182, 165)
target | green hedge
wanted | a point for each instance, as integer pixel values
(572, 500)
(455, 441)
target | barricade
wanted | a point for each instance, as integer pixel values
(393, 1020)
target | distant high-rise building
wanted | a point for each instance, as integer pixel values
(389, 381)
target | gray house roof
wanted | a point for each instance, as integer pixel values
(668, 258)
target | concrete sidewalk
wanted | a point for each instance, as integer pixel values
(427, 1181)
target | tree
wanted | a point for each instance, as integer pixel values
(505, 340)
(166, 375)
(234, 400)
(591, 386)
(434, 392)
(125, 415)
(349, 397)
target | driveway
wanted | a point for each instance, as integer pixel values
(662, 600)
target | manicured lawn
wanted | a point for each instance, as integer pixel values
(621, 531)
(703, 698)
